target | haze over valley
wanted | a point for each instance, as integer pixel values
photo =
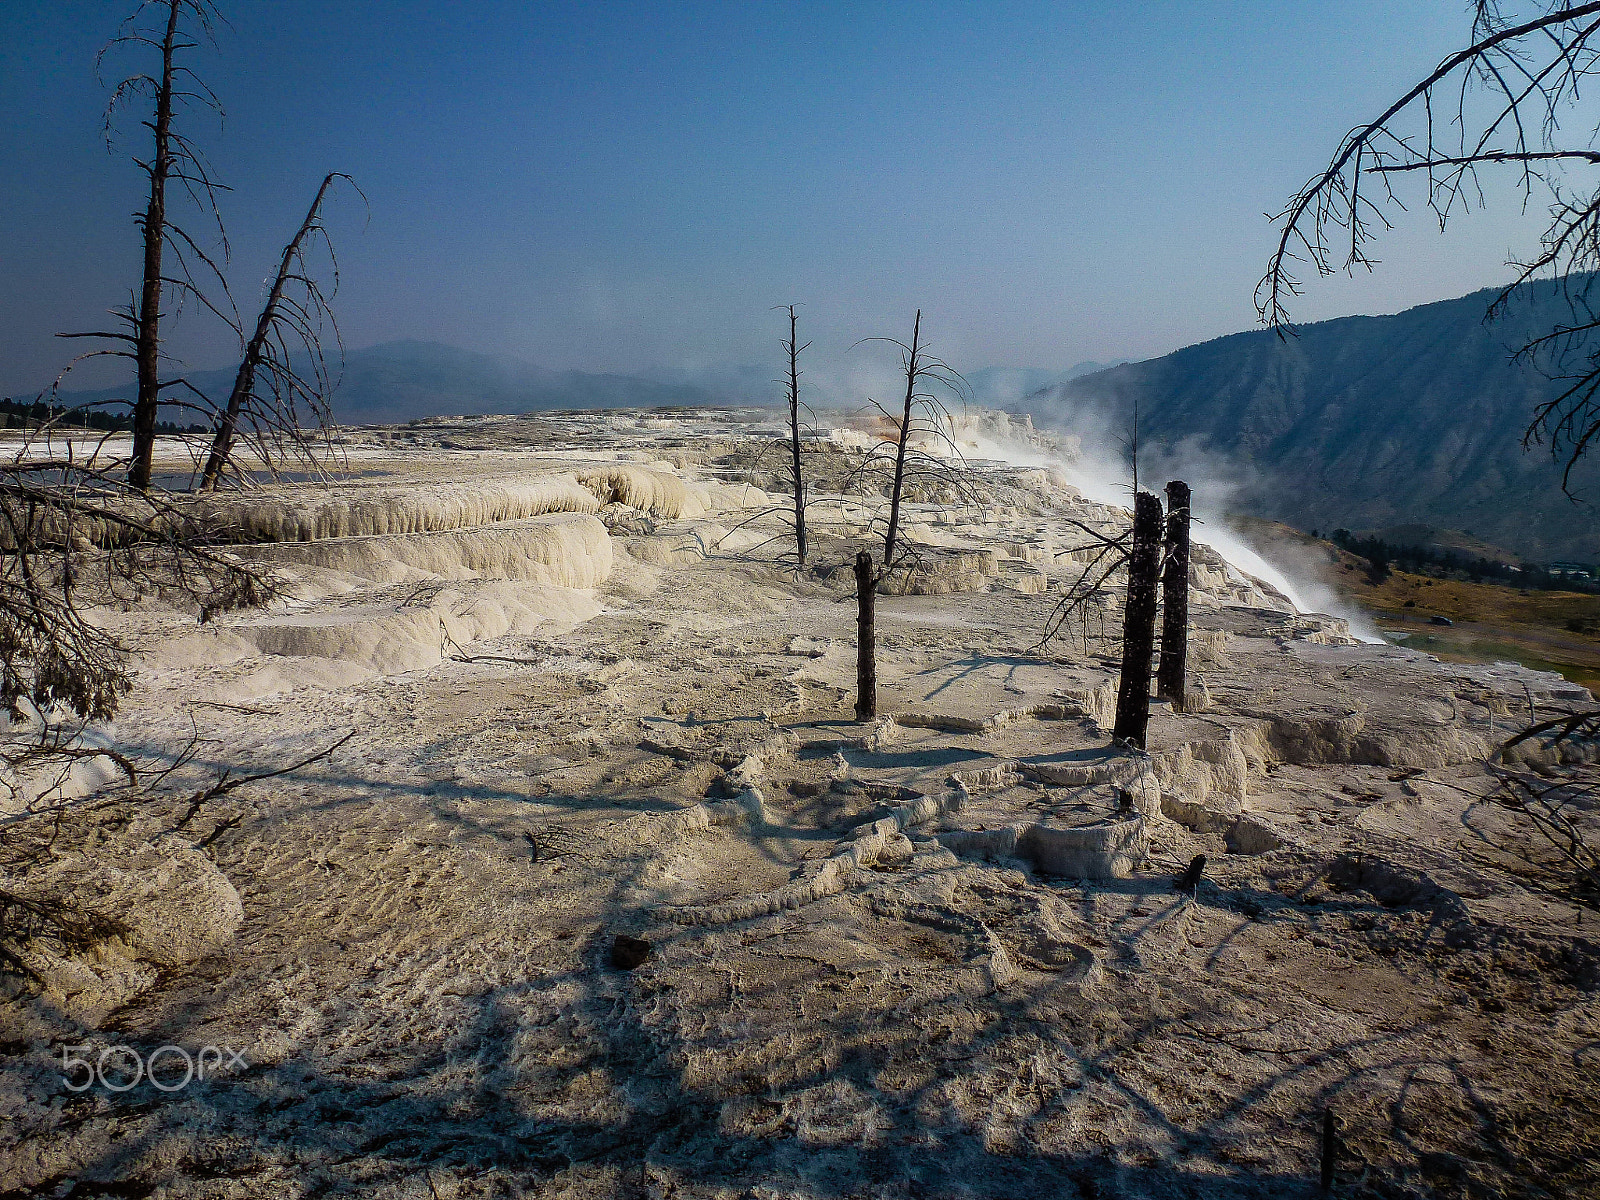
(1367, 423)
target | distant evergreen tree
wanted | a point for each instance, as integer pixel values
(1382, 557)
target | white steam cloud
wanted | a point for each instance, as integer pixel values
(1101, 473)
(1100, 470)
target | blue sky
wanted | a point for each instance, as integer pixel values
(631, 187)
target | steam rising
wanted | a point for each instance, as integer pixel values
(1099, 474)
(1099, 469)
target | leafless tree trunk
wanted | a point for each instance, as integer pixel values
(171, 254)
(794, 350)
(866, 634)
(919, 412)
(1139, 622)
(268, 352)
(147, 320)
(1170, 681)
(913, 366)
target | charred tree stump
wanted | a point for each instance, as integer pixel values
(1330, 1150)
(866, 659)
(1170, 681)
(1139, 622)
(1189, 881)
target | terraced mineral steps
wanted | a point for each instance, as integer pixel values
(939, 954)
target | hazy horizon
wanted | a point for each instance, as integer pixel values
(632, 191)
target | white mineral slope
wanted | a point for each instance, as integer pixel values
(664, 493)
(865, 978)
(306, 513)
(342, 508)
(1063, 455)
(565, 549)
(392, 639)
(506, 578)
(333, 551)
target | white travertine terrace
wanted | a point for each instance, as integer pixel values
(939, 954)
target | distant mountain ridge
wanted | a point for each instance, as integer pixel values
(405, 380)
(1365, 422)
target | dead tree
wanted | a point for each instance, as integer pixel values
(866, 634)
(81, 525)
(1139, 622)
(1502, 101)
(1131, 445)
(920, 416)
(797, 478)
(147, 319)
(913, 367)
(173, 159)
(1170, 681)
(284, 366)
(790, 477)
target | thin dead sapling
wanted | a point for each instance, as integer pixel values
(796, 478)
(921, 416)
(273, 382)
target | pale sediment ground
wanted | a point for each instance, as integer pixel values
(939, 955)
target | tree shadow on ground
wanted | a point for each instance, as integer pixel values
(517, 1066)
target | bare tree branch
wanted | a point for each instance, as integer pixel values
(1518, 81)
(920, 416)
(274, 411)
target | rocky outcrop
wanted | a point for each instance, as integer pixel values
(98, 922)
(1103, 850)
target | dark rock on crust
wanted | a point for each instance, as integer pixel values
(628, 952)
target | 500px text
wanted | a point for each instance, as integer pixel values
(169, 1068)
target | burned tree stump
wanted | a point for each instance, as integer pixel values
(1330, 1150)
(866, 659)
(1139, 622)
(1170, 681)
(1189, 881)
